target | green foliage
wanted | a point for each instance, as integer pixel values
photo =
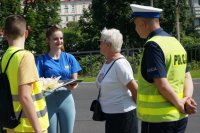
(38, 14)
(72, 38)
(116, 14)
(8, 7)
(194, 65)
(168, 16)
(189, 41)
(137, 59)
(87, 78)
(72, 25)
(195, 73)
(134, 60)
(91, 64)
(84, 35)
(110, 14)
(89, 31)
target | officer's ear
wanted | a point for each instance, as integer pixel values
(26, 34)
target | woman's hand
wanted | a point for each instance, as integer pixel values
(72, 86)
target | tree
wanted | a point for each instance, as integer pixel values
(89, 31)
(168, 16)
(102, 13)
(40, 14)
(8, 7)
(116, 14)
(109, 14)
(72, 37)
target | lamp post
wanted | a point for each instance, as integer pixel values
(177, 21)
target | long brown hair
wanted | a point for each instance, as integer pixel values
(52, 29)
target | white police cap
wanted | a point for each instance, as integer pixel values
(145, 11)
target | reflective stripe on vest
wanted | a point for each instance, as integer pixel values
(155, 98)
(151, 105)
(36, 93)
(35, 97)
(40, 113)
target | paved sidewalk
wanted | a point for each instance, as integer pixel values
(86, 92)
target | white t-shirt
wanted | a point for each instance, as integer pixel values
(115, 96)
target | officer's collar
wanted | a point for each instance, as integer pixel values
(155, 32)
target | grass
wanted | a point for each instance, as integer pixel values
(194, 73)
(87, 78)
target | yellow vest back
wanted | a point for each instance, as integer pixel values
(151, 105)
(37, 95)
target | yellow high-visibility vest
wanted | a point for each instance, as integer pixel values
(151, 105)
(37, 95)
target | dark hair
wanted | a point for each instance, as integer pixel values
(15, 26)
(52, 29)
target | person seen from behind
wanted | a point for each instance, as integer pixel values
(118, 89)
(165, 85)
(57, 63)
(24, 80)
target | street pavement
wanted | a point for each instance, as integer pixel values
(86, 92)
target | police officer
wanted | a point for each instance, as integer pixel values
(165, 84)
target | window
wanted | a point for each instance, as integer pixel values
(73, 9)
(83, 5)
(66, 8)
(74, 19)
(199, 2)
(198, 21)
(66, 19)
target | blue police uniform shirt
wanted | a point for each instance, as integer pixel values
(153, 61)
(65, 66)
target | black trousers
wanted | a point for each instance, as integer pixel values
(165, 127)
(122, 122)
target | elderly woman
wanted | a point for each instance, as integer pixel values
(118, 88)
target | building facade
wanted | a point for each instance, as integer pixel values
(71, 10)
(195, 11)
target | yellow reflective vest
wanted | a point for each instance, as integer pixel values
(37, 96)
(151, 105)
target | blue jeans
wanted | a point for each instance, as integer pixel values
(61, 109)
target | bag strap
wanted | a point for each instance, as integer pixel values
(10, 59)
(20, 114)
(106, 74)
(5, 72)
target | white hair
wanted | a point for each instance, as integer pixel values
(114, 37)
